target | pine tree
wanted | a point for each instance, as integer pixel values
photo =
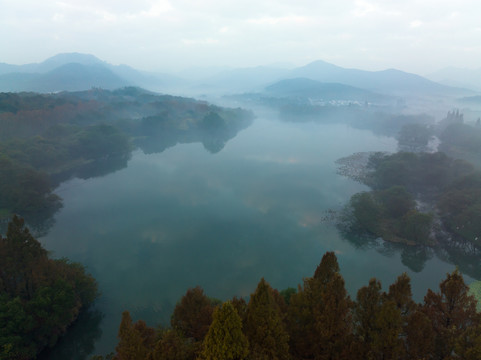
(401, 296)
(386, 337)
(333, 321)
(193, 314)
(23, 260)
(241, 307)
(468, 345)
(367, 306)
(452, 311)
(130, 346)
(265, 331)
(319, 316)
(225, 339)
(419, 336)
(172, 346)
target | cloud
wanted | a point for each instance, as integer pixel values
(159, 33)
(207, 41)
(282, 20)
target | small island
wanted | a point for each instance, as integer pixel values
(417, 199)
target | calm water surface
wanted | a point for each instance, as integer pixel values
(186, 217)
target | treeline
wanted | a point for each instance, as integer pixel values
(462, 141)
(39, 297)
(449, 190)
(48, 138)
(318, 321)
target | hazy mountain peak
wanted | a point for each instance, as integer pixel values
(68, 58)
(64, 58)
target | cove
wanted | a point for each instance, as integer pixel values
(185, 217)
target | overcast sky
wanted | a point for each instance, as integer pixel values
(418, 36)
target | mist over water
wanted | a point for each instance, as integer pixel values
(187, 217)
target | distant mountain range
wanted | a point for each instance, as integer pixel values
(469, 78)
(316, 90)
(74, 71)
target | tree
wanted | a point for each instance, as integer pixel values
(192, 316)
(386, 334)
(130, 346)
(367, 306)
(22, 257)
(468, 345)
(451, 311)
(333, 322)
(172, 346)
(265, 330)
(419, 336)
(225, 339)
(39, 297)
(366, 212)
(319, 316)
(396, 201)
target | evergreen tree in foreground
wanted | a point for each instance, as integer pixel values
(319, 315)
(268, 339)
(225, 339)
(39, 297)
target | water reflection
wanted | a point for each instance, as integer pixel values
(213, 137)
(79, 341)
(181, 218)
(413, 257)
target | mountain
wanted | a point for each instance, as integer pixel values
(391, 81)
(241, 80)
(68, 77)
(452, 76)
(52, 63)
(75, 71)
(307, 88)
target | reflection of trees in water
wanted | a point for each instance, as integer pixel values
(103, 167)
(78, 342)
(213, 133)
(41, 220)
(415, 257)
(467, 263)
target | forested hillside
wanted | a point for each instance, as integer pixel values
(48, 138)
(39, 297)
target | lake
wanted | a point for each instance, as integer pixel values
(186, 217)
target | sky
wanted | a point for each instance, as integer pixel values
(418, 36)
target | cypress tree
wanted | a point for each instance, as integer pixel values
(193, 314)
(130, 346)
(225, 339)
(268, 339)
(367, 306)
(452, 311)
(319, 316)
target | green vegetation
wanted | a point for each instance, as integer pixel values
(225, 339)
(414, 137)
(475, 290)
(462, 141)
(39, 297)
(46, 139)
(320, 322)
(390, 214)
(449, 188)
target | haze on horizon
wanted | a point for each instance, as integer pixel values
(165, 35)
